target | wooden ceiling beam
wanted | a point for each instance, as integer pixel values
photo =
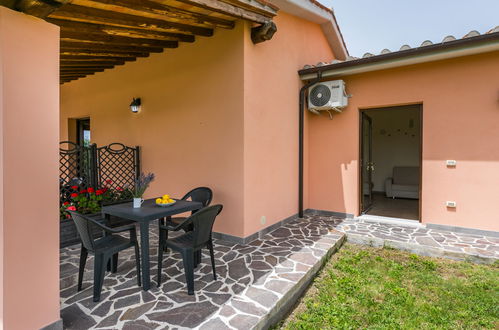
(39, 8)
(99, 16)
(157, 10)
(83, 67)
(90, 63)
(116, 40)
(96, 52)
(110, 30)
(229, 9)
(111, 47)
(85, 57)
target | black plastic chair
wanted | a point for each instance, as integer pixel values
(103, 248)
(203, 195)
(192, 242)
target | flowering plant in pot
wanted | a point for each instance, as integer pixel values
(84, 201)
(141, 185)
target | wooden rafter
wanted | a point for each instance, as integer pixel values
(99, 34)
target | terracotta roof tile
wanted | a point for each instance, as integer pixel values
(425, 43)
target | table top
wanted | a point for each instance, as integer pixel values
(149, 210)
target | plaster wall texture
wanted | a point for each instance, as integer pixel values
(29, 135)
(460, 122)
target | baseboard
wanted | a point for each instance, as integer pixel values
(464, 230)
(272, 227)
(57, 325)
(254, 236)
(329, 213)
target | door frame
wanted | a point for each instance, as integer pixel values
(359, 166)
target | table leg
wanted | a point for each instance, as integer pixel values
(107, 219)
(144, 247)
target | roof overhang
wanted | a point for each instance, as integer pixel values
(462, 47)
(313, 11)
(99, 34)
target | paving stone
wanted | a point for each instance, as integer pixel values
(139, 325)
(238, 269)
(247, 307)
(127, 301)
(109, 321)
(189, 315)
(279, 286)
(219, 298)
(227, 311)
(136, 312)
(74, 318)
(214, 324)
(427, 241)
(263, 297)
(243, 322)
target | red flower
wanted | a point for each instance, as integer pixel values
(74, 187)
(119, 189)
(65, 203)
(108, 181)
(99, 192)
(104, 189)
(71, 208)
(83, 191)
(90, 190)
(74, 195)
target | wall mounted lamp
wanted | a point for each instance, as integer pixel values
(135, 105)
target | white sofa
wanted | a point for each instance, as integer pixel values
(404, 182)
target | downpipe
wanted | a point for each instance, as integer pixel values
(303, 90)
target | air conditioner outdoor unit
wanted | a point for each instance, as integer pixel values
(327, 95)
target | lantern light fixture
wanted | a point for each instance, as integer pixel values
(135, 105)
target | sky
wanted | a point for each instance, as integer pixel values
(372, 25)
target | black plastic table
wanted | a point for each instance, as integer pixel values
(143, 216)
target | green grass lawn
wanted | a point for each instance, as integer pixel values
(369, 288)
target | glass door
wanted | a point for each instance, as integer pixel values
(366, 162)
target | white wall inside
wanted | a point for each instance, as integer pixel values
(396, 140)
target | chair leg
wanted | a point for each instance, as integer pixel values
(114, 266)
(83, 261)
(160, 261)
(197, 258)
(137, 263)
(188, 258)
(165, 248)
(212, 256)
(99, 271)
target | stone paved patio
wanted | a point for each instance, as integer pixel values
(256, 282)
(421, 240)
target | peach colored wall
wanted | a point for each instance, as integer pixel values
(29, 150)
(191, 124)
(271, 118)
(460, 121)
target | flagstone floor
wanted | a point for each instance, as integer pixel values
(254, 281)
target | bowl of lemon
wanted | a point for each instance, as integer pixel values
(165, 201)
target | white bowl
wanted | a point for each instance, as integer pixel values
(166, 204)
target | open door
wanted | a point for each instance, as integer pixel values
(366, 163)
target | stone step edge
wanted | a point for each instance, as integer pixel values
(284, 305)
(418, 249)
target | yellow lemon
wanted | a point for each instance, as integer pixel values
(166, 196)
(159, 201)
(170, 200)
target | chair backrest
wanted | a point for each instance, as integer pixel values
(84, 228)
(202, 195)
(203, 221)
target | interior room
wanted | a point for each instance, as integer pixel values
(391, 156)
